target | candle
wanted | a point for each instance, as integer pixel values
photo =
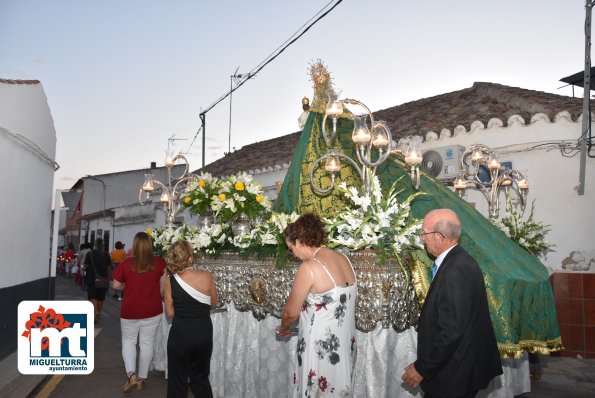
(413, 159)
(523, 184)
(477, 155)
(148, 186)
(460, 184)
(361, 136)
(335, 109)
(494, 164)
(332, 165)
(380, 141)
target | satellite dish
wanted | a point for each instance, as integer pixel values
(431, 163)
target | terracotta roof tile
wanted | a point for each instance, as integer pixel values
(481, 102)
(259, 155)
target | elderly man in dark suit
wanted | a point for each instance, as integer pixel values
(457, 353)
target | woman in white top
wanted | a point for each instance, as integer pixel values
(189, 297)
(323, 297)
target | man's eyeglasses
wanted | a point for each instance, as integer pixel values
(429, 233)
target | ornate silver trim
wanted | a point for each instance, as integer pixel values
(385, 292)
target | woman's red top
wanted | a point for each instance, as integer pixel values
(142, 294)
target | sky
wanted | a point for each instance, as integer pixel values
(123, 77)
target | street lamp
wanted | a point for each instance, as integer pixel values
(478, 157)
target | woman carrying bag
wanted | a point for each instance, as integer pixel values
(97, 262)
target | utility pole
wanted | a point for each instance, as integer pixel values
(586, 125)
(203, 116)
(230, 97)
(236, 77)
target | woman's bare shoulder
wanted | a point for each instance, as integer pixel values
(200, 274)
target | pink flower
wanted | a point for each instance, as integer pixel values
(322, 383)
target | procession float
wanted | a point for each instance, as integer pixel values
(347, 169)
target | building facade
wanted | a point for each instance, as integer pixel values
(27, 153)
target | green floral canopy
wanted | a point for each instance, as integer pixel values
(521, 300)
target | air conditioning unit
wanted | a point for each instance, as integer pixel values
(442, 163)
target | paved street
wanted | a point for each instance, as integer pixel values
(562, 377)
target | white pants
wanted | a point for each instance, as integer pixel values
(131, 330)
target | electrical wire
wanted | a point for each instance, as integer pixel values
(296, 32)
(193, 139)
(32, 147)
(269, 59)
(292, 39)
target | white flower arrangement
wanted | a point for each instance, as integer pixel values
(205, 240)
(240, 193)
(375, 222)
(267, 232)
(527, 233)
(199, 193)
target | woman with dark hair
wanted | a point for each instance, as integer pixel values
(323, 297)
(189, 297)
(97, 262)
(141, 278)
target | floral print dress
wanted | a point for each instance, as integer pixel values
(326, 347)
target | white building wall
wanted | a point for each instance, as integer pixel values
(269, 178)
(107, 191)
(553, 178)
(26, 178)
(129, 220)
(121, 197)
(115, 191)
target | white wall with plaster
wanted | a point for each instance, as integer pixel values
(27, 153)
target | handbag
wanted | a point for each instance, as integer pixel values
(101, 282)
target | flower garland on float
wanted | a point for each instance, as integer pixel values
(371, 221)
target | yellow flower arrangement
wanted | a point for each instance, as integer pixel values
(240, 194)
(198, 195)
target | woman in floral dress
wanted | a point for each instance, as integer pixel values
(323, 298)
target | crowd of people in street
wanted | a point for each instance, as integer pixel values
(71, 263)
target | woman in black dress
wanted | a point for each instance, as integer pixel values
(189, 297)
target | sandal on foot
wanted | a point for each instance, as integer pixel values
(140, 385)
(132, 382)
